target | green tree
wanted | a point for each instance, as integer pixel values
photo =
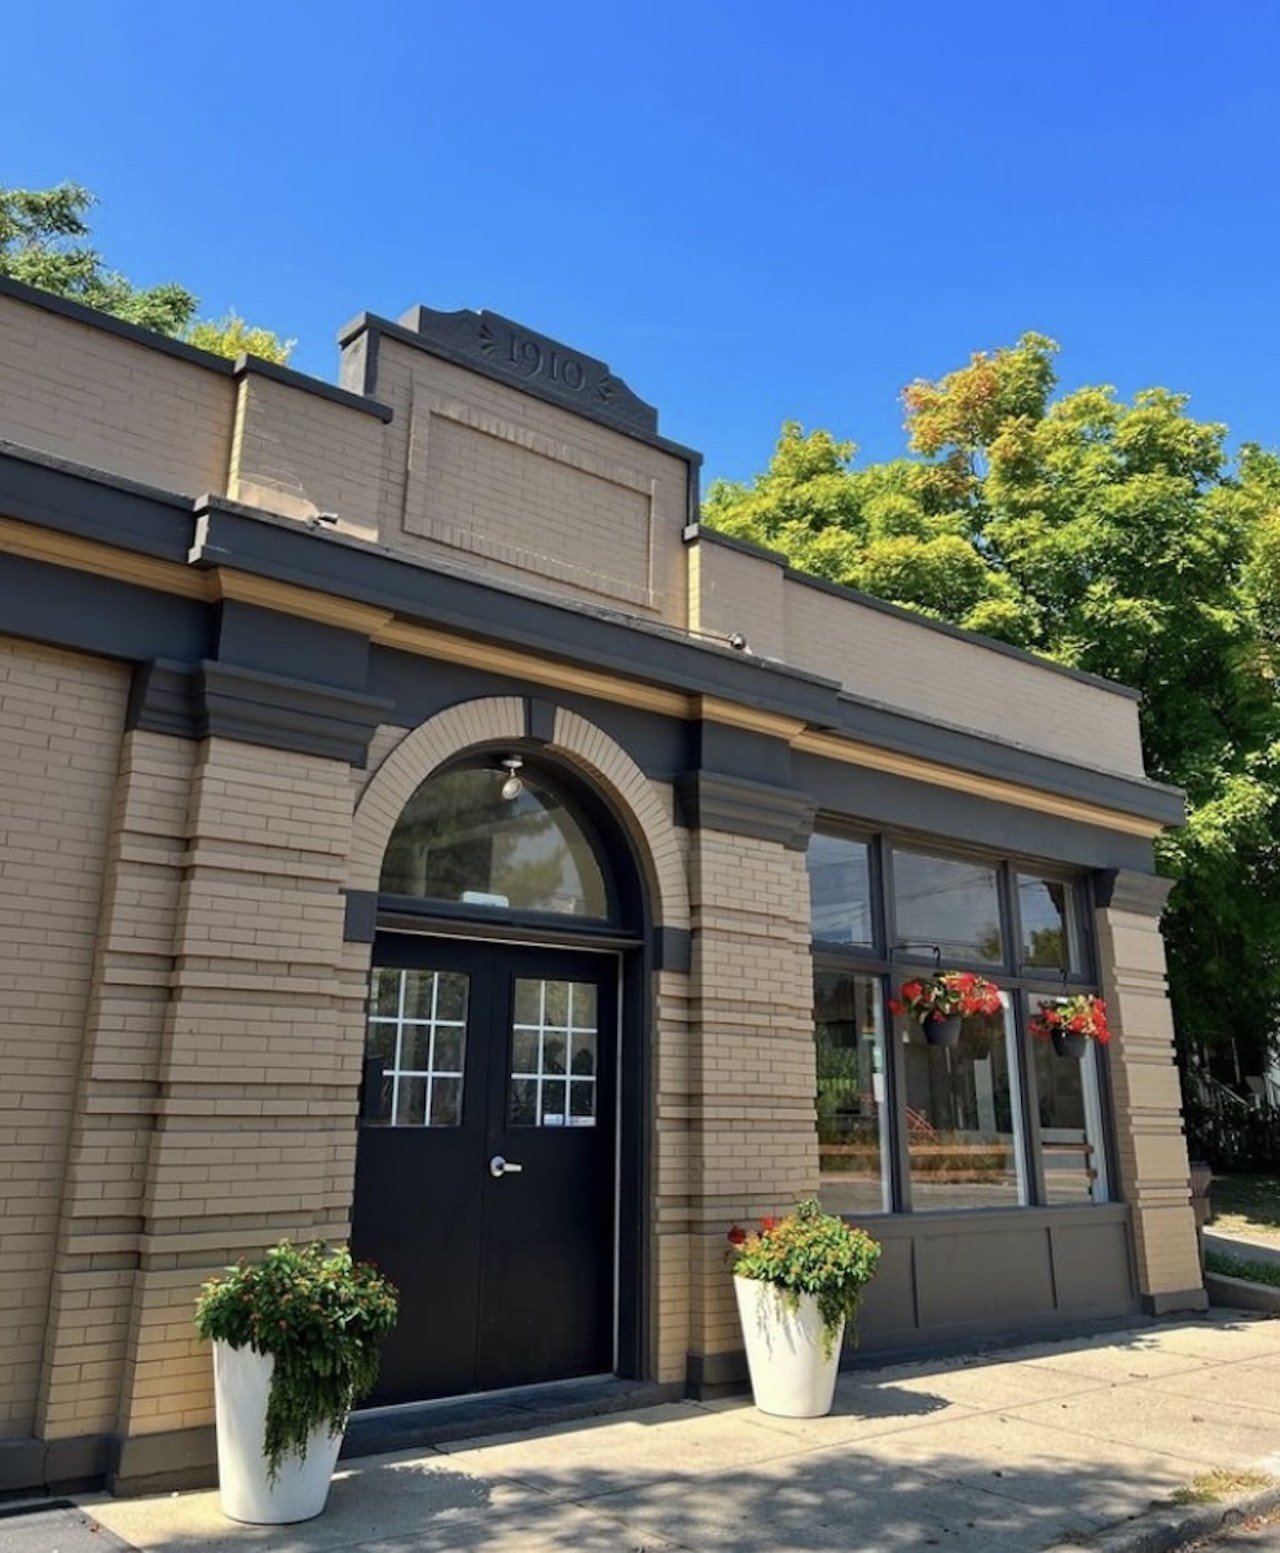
(898, 530)
(1117, 537)
(45, 242)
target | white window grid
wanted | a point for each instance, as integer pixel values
(402, 1023)
(557, 1085)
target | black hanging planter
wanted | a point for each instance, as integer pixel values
(942, 1032)
(1069, 1043)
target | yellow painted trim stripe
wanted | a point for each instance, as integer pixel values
(89, 555)
(288, 599)
(853, 753)
(431, 643)
(752, 719)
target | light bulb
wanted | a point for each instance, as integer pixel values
(513, 786)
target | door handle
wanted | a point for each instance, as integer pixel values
(501, 1167)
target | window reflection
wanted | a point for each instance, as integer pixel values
(963, 1138)
(553, 1054)
(460, 840)
(852, 1120)
(415, 1047)
(1046, 911)
(1070, 1131)
(840, 890)
(947, 904)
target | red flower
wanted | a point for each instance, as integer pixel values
(947, 994)
(737, 1235)
(1079, 1014)
(766, 1224)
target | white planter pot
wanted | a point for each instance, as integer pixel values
(242, 1384)
(790, 1374)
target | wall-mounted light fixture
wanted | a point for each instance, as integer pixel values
(513, 786)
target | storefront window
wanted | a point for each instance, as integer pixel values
(848, 1027)
(1046, 910)
(962, 1117)
(997, 1120)
(840, 890)
(946, 905)
(1070, 1126)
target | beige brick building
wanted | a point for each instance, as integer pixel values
(416, 828)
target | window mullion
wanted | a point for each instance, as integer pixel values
(1028, 1088)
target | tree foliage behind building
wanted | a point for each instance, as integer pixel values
(1117, 537)
(45, 242)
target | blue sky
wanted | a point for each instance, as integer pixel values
(752, 211)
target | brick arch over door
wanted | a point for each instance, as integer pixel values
(576, 740)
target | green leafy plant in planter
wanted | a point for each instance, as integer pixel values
(321, 1316)
(810, 1252)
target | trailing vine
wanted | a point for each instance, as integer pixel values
(321, 1316)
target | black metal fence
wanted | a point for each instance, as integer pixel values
(1229, 1134)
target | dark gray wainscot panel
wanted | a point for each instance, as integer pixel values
(945, 1278)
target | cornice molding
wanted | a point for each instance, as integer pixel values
(1120, 889)
(211, 700)
(710, 801)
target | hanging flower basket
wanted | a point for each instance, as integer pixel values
(1071, 1023)
(941, 1003)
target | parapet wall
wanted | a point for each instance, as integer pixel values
(435, 455)
(466, 440)
(887, 655)
(111, 399)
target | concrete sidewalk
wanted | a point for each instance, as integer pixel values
(1025, 1449)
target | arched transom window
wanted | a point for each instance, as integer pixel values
(461, 841)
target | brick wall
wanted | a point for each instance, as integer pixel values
(297, 455)
(61, 717)
(753, 1145)
(100, 1235)
(479, 471)
(260, 1056)
(902, 663)
(91, 396)
(732, 593)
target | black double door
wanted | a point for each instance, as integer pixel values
(485, 1169)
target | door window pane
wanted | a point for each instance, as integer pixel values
(945, 904)
(852, 1120)
(1047, 913)
(410, 1100)
(840, 890)
(1070, 1126)
(414, 1048)
(964, 1134)
(554, 1035)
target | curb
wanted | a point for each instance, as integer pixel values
(1241, 1294)
(1169, 1528)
